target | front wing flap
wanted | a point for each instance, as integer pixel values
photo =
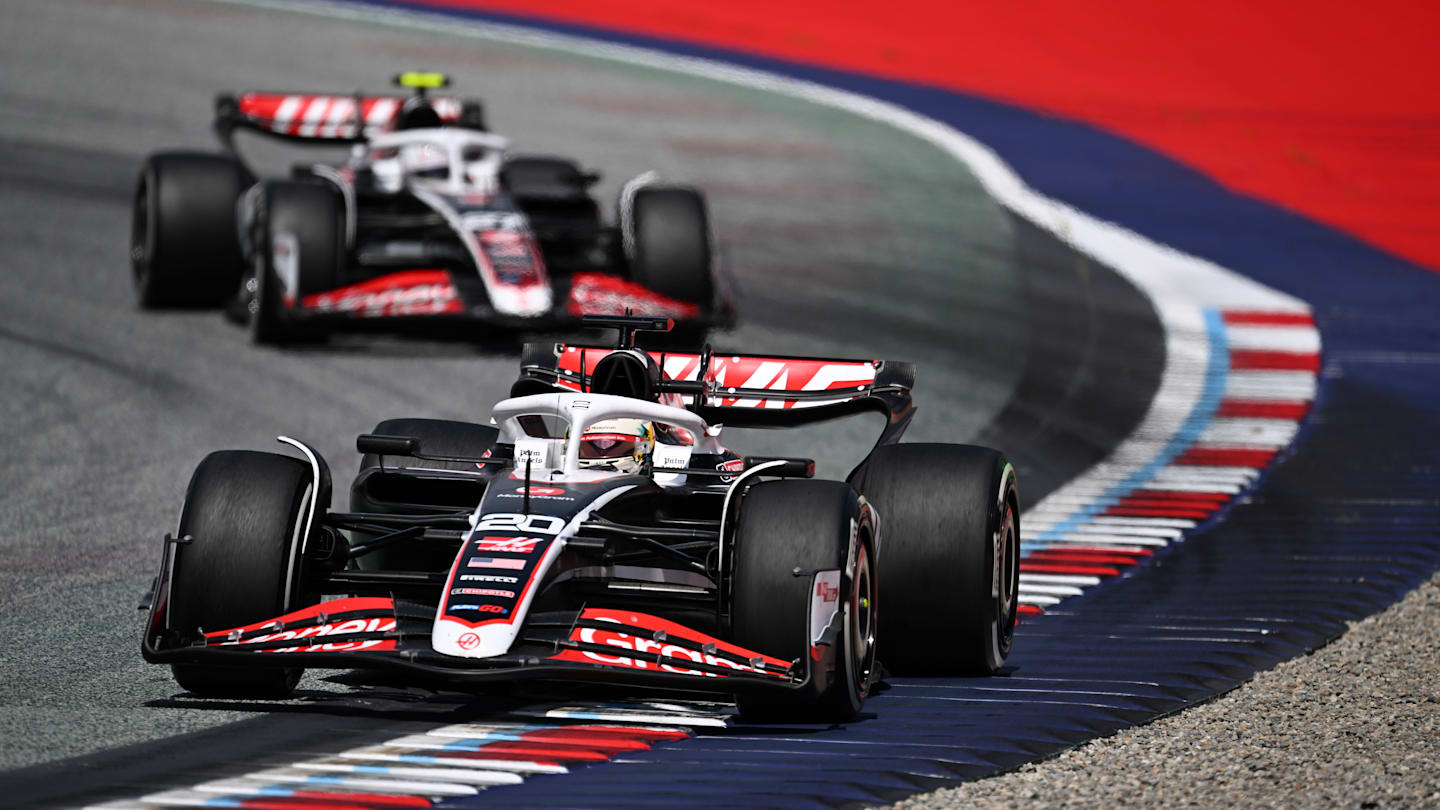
(596, 644)
(437, 293)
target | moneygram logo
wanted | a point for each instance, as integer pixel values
(345, 628)
(541, 490)
(672, 657)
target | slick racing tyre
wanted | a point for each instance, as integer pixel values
(245, 513)
(949, 519)
(667, 241)
(809, 527)
(299, 249)
(374, 491)
(184, 248)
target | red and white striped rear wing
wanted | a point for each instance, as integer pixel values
(318, 117)
(743, 390)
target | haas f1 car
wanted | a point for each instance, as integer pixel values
(600, 531)
(428, 220)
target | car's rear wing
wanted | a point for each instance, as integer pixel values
(328, 118)
(741, 390)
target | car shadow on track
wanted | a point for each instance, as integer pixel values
(364, 694)
(377, 698)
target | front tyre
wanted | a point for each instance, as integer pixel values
(810, 527)
(667, 242)
(300, 248)
(245, 512)
(950, 534)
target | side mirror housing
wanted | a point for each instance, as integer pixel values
(374, 444)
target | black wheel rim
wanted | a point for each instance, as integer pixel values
(1009, 551)
(862, 624)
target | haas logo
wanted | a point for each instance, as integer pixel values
(516, 545)
(826, 591)
(469, 641)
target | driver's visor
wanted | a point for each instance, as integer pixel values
(606, 445)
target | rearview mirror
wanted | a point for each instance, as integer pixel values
(789, 468)
(373, 444)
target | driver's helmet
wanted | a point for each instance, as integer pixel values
(417, 113)
(622, 445)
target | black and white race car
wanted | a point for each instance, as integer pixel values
(429, 220)
(599, 530)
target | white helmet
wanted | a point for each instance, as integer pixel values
(622, 445)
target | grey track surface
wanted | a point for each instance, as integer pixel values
(104, 411)
(1354, 725)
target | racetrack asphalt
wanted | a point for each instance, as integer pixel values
(845, 237)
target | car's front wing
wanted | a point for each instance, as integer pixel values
(594, 644)
(439, 295)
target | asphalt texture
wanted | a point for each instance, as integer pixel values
(845, 237)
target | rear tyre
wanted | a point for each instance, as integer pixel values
(184, 248)
(811, 526)
(300, 247)
(950, 536)
(668, 243)
(246, 512)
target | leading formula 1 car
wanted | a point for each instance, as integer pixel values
(600, 531)
(430, 220)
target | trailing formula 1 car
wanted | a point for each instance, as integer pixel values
(430, 220)
(600, 531)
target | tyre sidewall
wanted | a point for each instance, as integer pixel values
(671, 245)
(244, 513)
